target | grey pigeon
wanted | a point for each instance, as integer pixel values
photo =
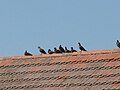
(27, 53)
(61, 49)
(57, 50)
(73, 50)
(118, 43)
(67, 51)
(50, 51)
(42, 50)
(81, 47)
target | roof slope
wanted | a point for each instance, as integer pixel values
(93, 70)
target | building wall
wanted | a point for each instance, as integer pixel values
(94, 70)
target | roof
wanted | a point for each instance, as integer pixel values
(92, 70)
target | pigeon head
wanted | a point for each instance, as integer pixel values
(49, 49)
(117, 41)
(79, 43)
(25, 51)
(71, 48)
(55, 48)
(65, 48)
(38, 46)
(60, 46)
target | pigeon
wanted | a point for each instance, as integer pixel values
(50, 51)
(118, 43)
(73, 50)
(27, 53)
(61, 49)
(42, 50)
(67, 51)
(81, 47)
(57, 50)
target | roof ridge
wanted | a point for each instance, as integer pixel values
(93, 52)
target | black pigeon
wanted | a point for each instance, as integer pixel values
(50, 51)
(57, 51)
(61, 49)
(81, 47)
(73, 50)
(42, 50)
(27, 53)
(67, 51)
(118, 43)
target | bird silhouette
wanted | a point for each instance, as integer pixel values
(57, 50)
(73, 50)
(50, 51)
(27, 53)
(42, 50)
(81, 47)
(118, 43)
(67, 51)
(61, 49)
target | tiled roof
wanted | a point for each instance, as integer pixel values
(92, 70)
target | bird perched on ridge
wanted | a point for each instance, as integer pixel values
(41, 50)
(118, 43)
(81, 47)
(50, 51)
(73, 50)
(27, 53)
(61, 49)
(67, 51)
(57, 50)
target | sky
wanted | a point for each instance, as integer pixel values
(27, 24)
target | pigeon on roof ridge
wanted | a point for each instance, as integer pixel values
(27, 53)
(67, 51)
(118, 43)
(57, 50)
(61, 49)
(50, 51)
(41, 50)
(81, 47)
(73, 50)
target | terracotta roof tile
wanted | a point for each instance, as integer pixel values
(92, 70)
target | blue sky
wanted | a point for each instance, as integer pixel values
(27, 24)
